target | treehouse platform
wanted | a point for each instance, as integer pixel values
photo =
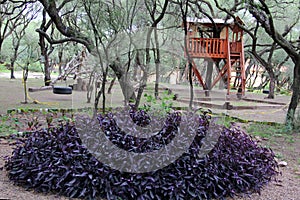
(220, 44)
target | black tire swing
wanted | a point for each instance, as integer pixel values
(62, 90)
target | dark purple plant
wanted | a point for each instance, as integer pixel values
(56, 160)
(139, 117)
(139, 144)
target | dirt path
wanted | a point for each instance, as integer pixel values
(10, 191)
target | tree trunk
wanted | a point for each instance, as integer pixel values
(1, 42)
(125, 84)
(90, 87)
(191, 86)
(97, 97)
(44, 51)
(272, 84)
(295, 96)
(103, 88)
(60, 55)
(111, 85)
(157, 64)
(45, 60)
(12, 70)
(209, 72)
(16, 44)
(25, 76)
(146, 69)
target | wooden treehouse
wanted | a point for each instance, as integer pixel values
(221, 44)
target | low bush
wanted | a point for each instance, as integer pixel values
(56, 160)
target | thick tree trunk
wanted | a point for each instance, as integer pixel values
(44, 51)
(272, 84)
(47, 78)
(209, 72)
(126, 86)
(295, 96)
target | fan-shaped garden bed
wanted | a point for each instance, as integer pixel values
(57, 160)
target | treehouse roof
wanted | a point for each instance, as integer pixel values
(217, 21)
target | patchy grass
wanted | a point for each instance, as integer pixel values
(268, 131)
(283, 141)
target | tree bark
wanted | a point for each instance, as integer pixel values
(209, 72)
(272, 84)
(295, 96)
(44, 51)
(44, 54)
(1, 42)
(60, 55)
(90, 87)
(126, 86)
(12, 68)
(157, 64)
(111, 85)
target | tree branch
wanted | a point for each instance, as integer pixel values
(73, 35)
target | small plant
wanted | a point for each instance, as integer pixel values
(279, 155)
(33, 124)
(165, 102)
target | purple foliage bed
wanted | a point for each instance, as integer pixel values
(56, 160)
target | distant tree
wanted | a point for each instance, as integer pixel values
(11, 16)
(18, 33)
(152, 8)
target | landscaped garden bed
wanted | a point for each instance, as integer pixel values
(54, 159)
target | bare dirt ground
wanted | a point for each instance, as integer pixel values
(287, 148)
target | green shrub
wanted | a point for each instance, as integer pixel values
(35, 68)
(3, 68)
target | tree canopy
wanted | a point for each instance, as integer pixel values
(129, 35)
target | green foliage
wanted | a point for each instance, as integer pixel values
(6, 128)
(3, 68)
(35, 68)
(165, 102)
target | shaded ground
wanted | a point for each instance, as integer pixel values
(286, 147)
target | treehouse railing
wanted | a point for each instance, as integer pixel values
(207, 47)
